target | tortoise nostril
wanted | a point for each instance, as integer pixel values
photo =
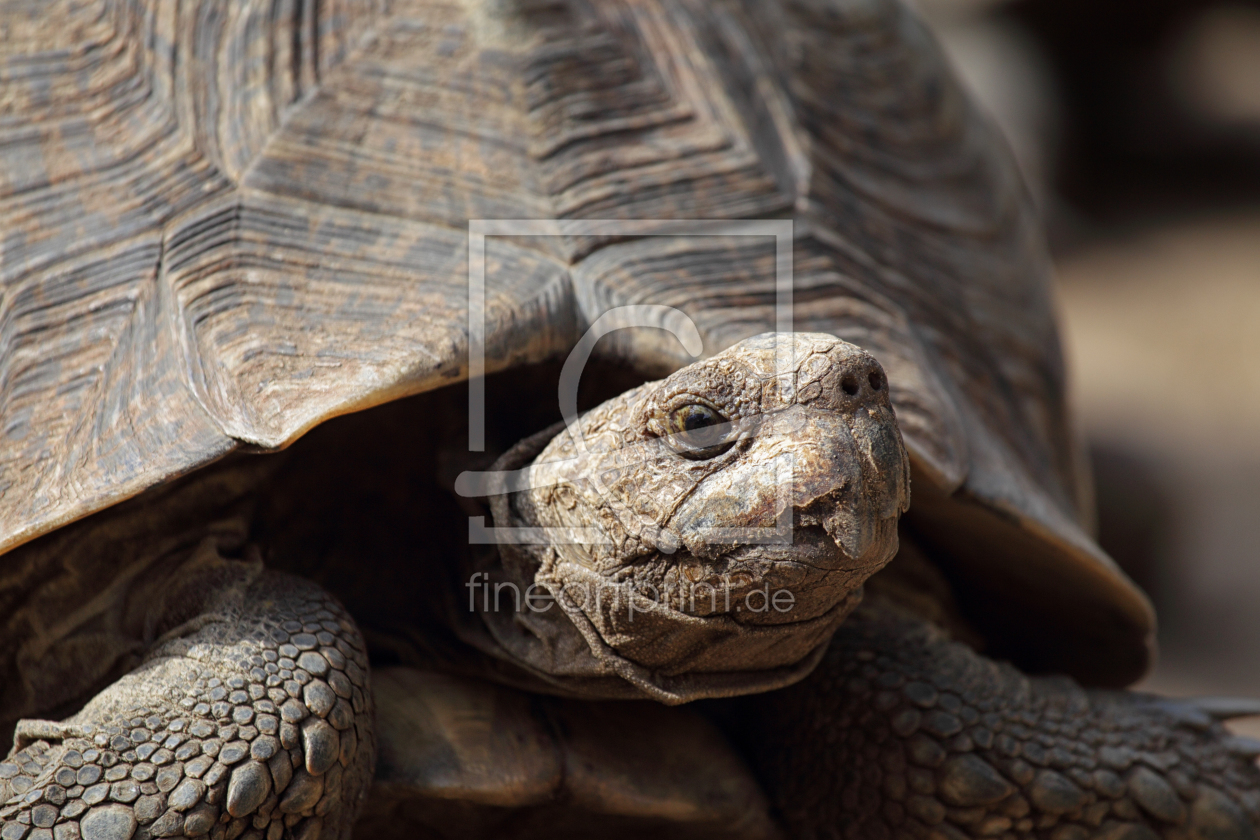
(875, 379)
(849, 385)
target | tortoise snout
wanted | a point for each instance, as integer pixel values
(842, 379)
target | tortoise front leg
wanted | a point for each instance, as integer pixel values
(902, 733)
(250, 717)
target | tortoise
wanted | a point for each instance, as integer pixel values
(227, 608)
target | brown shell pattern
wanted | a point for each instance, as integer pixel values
(221, 224)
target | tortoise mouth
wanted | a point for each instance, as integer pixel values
(768, 583)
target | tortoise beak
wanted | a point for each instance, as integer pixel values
(844, 472)
(810, 507)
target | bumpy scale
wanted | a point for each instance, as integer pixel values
(908, 734)
(251, 720)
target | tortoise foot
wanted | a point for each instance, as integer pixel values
(462, 758)
(252, 718)
(903, 733)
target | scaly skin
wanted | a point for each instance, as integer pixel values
(904, 733)
(250, 717)
(800, 432)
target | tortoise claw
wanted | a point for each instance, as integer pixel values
(1201, 712)
(1227, 708)
(1242, 745)
(29, 731)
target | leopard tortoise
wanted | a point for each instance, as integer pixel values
(226, 225)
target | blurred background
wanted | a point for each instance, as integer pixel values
(1137, 124)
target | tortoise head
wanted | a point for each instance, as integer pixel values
(724, 519)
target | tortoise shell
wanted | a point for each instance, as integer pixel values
(226, 223)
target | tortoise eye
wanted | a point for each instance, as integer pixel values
(699, 432)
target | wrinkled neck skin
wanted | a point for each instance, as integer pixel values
(703, 535)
